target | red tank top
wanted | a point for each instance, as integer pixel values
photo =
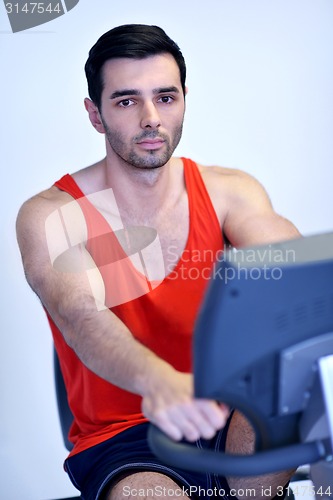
(162, 318)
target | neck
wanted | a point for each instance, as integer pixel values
(149, 189)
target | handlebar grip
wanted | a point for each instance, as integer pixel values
(189, 457)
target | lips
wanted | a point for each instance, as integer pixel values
(151, 143)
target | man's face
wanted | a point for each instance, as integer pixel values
(142, 109)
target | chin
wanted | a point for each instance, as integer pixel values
(150, 161)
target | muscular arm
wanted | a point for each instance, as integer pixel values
(248, 221)
(250, 218)
(102, 342)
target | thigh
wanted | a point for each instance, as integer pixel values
(97, 469)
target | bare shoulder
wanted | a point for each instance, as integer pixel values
(229, 187)
(43, 227)
(40, 206)
(52, 221)
(224, 179)
(244, 209)
(35, 210)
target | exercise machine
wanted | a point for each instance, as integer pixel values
(263, 344)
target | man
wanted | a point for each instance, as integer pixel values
(112, 251)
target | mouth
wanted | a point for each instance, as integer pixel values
(151, 143)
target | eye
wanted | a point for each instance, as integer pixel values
(166, 99)
(125, 103)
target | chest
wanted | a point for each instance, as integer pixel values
(159, 241)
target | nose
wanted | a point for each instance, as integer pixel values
(150, 117)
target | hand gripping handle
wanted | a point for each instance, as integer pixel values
(189, 457)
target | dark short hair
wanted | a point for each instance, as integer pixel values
(135, 41)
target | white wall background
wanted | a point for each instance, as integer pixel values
(260, 74)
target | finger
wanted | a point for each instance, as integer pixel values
(215, 413)
(171, 421)
(183, 417)
(171, 429)
(225, 409)
(198, 418)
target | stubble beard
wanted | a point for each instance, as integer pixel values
(150, 159)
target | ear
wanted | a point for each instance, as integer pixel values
(186, 90)
(94, 115)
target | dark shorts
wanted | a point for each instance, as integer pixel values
(94, 470)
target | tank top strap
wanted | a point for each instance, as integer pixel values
(68, 184)
(203, 216)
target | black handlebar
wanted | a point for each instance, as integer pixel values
(189, 457)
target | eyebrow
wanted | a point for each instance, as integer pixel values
(128, 92)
